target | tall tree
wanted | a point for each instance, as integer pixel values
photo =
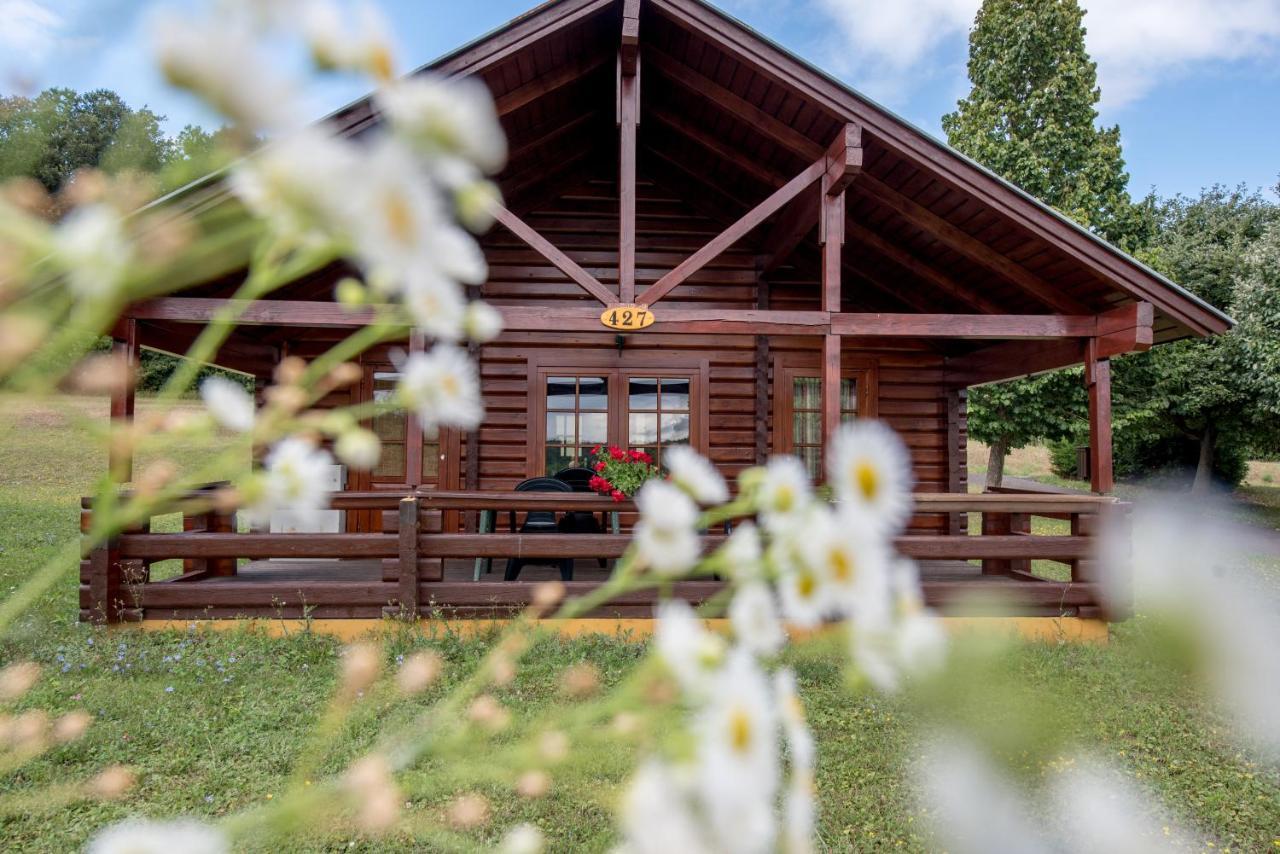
(1031, 117)
(1216, 397)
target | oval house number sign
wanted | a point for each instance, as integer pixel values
(627, 317)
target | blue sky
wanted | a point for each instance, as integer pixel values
(1194, 84)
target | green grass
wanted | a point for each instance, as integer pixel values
(241, 706)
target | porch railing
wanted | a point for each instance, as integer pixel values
(116, 580)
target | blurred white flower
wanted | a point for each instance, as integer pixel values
(850, 560)
(296, 481)
(804, 599)
(974, 810)
(695, 474)
(302, 185)
(657, 817)
(665, 538)
(742, 553)
(442, 117)
(785, 493)
(228, 403)
(94, 250)
(395, 209)
(754, 616)
(799, 739)
(738, 768)
(218, 59)
(436, 304)
(870, 470)
(523, 839)
(1099, 810)
(360, 42)
(359, 448)
(922, 640)
(482, 322)
(689, 650)
(442, 387)
(137, 836)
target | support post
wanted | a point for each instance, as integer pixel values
(120, 454)
(105, 584)
(220, 522)
(628, 119)
(955, 400)
(410, 528)
(762, 377)
(412, 427)
(831, 236)
(1097, 377)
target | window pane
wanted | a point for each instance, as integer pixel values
(812, 459)
(593, 428)
(806, 393)
(559, 457)
(391, 463)
(675, 428)
(675, 393)
(390, 425)
(384, 385)
(593, 393)
(806, 428)
(849, 395)
(430, 460)
(560, 428)
(643, 429)
(560, 392)
(642, 393)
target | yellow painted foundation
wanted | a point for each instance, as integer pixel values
(1059, 629)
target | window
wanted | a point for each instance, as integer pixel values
(797, 401)
(658, 414)
(577, 419)
(575, 409)
(392, 429)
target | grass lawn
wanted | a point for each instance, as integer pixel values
(213, 723)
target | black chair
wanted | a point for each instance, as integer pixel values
(538, 522)
(580, 521)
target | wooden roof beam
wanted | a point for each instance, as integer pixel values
(561, 261)
(628, 119)
(968, 245)
(844, 160)
(629, 52)
(544, 84)
(797, 220)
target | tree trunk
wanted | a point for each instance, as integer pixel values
(1204, 467)
(995, 462)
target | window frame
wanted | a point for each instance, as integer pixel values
(619, 369)
(863, 370)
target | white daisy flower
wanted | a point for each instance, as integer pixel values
(742, 552)
(523, 839)
(350, 43)
(218, 60)
(228, 403)
(870, 470)
(799, 739)
(442, 387)
(138, 836)
(296, 481)
(922, 640)
(785, 492)
(359, 448)
(851, 561)
(302, 184)
(754, 616)
(665, 538)
(695, 474)
(482, 322)
(685, 645)
(94, 250)
(457, 254)
(396, 209)
(804, 596)
(738, 768)
(442, 117)
(657, 817)
(436, 304)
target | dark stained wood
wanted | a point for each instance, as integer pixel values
(1012, 359)
(955, 401)
(233, 545)
(844, 160)
(409, 579)
(124, 349)
(628, 118)
(964, 326)
(563, 262)
(797, 220)
(548, 83)
(629, 52)
(1097, 377)
(831, 374)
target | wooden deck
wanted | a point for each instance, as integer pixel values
(412, 571)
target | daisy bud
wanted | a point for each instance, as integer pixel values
(418, 672)
(154, 477)
(487, 711)
(523, 839)
(626, 723)
(360, 665)
(17, 679)
(71, 726)
(553, 745)
(345, 374)
(533, 784)
(473, 202)
(548, 593)
(359, 448)
(86, 187)
(290, 398)
(101, 374)
(481, 322)
(504, 671)
(378, 800)
(290, 370)
(26, 194)
(111, 783)
(29, 730)
(351, 292)
(581, 680)
(227, 499)
(19, 336)
(468, 811)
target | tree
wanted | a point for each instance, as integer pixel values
(1214, 397)
(1031, 117)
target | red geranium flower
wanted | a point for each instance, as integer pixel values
(599, 484)
(617, 495)
(600, 466)
(616, 453)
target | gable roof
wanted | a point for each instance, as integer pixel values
(737, 115)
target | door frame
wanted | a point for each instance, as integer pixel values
(787, 366)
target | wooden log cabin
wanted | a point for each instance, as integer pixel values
(804, 256)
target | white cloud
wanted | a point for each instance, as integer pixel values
(891, 45)
(30, 28)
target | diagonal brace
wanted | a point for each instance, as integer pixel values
(543, 247)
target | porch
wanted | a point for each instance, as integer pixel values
(411, 567)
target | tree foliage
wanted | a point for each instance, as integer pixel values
(1031, 117)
